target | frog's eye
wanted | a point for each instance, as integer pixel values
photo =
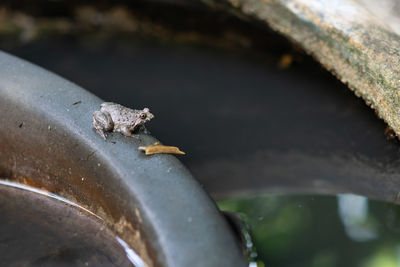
(142, 116)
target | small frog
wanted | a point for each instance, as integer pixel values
(117, 118)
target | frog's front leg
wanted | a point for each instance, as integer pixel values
(125, 130)
(102, 122)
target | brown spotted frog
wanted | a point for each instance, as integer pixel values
(117, 118)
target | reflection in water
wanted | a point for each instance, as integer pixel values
(38, 228)
(320, 231)
(353, 211)
(131, 254)
(238, 223)
(45, 193)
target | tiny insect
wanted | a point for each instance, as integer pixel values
(117, 118)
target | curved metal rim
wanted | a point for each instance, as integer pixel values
(51, 140)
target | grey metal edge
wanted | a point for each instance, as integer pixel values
(44, 134)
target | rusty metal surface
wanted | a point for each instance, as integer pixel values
(152, 202)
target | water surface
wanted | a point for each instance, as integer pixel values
(41, 229)
(320, 231)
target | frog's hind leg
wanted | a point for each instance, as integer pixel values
(101, 133)
(102, 122)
